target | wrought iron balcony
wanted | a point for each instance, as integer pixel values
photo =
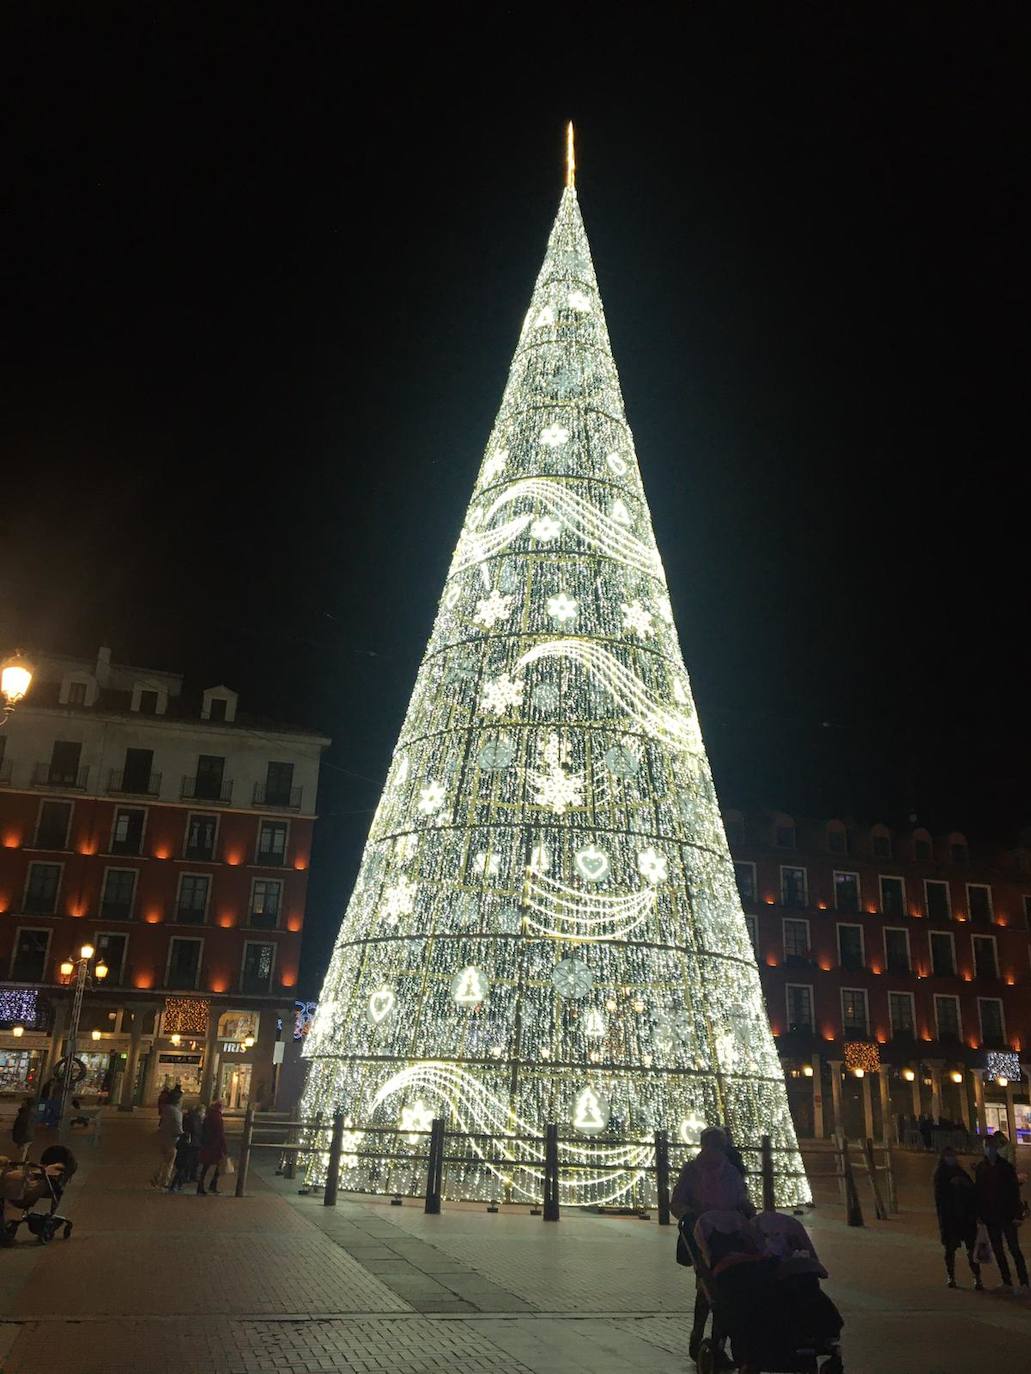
(280, 798)
(206, 789)
(133, 785)
(69, 779)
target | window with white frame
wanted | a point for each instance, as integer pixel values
(896, 950)
(993, 1025)
(794, 887)
(901, 1013)
(851, 952)
(266, 902)
(979, 903)
(938, 900)
(192, 902)
(893, 896)
(258, 962)
(855, 1018)
(118, 893)
(943, 954)
(184, 956)
(986, 956)
(796, 938)
(745, 875)
(799, 998)
(111, 947)
(55, 818)
(41, 889)
(29, 957)
(272, 842)
(846, 891)
(946, 1017)
(127, 830)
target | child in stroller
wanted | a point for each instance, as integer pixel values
(23, 1185)
(763, 1280)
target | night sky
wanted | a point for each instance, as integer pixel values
(263, 275)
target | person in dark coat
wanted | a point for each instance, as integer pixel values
(955, 1199)
(998, 1206)
(24, 1128)
(212, 1147)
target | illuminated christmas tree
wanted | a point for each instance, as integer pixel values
(545, 925)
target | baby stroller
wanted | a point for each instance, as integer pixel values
(23, 1185)
(762, 1280)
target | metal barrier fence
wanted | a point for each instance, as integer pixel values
(437, 1139)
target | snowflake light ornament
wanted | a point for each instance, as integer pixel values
(545, 529)
(572, 979)
(492, 609)
(399, 900)
(665, 608)
(431, 798)
(638, 621)
(501, 695)
(673, 1031)
(652, 866)
(555, 788)
(562, 608)
(417, 1117)
(495, 465)
(579, 301)
(486, 865)
(554, 436)
(406, 847)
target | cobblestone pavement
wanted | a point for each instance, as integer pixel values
(278, 1282)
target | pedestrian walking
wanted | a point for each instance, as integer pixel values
(188, 1149)
(955, 1199)
(170, 1128)
(712, 1181)
(998, 1206)
(212, 1148)
(24, 1128)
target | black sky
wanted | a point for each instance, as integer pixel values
(263, 273)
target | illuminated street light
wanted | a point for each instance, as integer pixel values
(15, 681)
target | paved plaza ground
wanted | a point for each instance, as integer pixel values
(274, 1281)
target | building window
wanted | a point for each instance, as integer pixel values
(183, 963)
(266, 902)
(192, 905)
(986, 959)
(893, 896)
(41, 889)
(846, 891)
(76, 694)
(279, 783)
(943, 955)
(752, 926)
(136, 775)
(959, 852)
(793, 887)
(127, 832)
(896, 950)
(936, 895)
(881, 846)
(210, 772)
(200, 836)
(29, 962)
(855, 1022)
(64, 763)
(111, 948)
(796, 939)
(837, 838)
(979, 903)
(946, 1016)
(52, 829)
(734, 826)
(850, 948)
(217, 708)
(901, 1013)
(119, 890)
(784, 835)
(923, 850)
(272, 842)
(745, 875)
(258, 960)
(800, 1007)
(993, 1027)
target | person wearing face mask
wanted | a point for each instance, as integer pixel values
(998, 1206)
(955, 1200)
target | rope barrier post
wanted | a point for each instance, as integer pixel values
(769, 1193)
(551, 1212)
(435, 1167)
(662, 1176)
(245, 1152)
(336, 1145)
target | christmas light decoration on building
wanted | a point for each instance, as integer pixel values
(1003, 1066)
(546, 893)
(186, 1015)
(861, 1057)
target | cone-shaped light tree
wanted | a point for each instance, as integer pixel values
(545, 925)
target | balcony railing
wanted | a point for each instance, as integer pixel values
(206, 789)
(133, 785)
(282, 798)
(70, 779)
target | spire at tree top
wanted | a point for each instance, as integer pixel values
(570, 156)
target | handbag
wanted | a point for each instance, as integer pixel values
(983, 1245)
(228, 1167)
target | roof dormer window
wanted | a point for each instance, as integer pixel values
(219, 703)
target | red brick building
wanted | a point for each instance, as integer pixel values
(895, 953)
(175, 836)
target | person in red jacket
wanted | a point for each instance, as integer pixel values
(212, 1147)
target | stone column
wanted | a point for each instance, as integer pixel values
(918, 1106)
(1011, 1119)
(935, 1067)
(839, 1117)
(207, 1082)
(867, 1108)
(964, 1105)
(817, 1097)
(132, 1064)
(978, 1082)
(887, 1123)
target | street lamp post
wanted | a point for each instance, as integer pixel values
(81, 969)
(15, 681)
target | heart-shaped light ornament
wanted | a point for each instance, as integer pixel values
(592, 863)
(381, 1004)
